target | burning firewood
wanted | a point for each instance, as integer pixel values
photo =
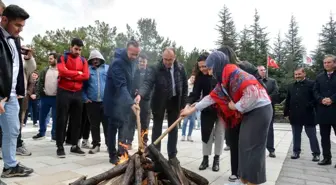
(139, 169)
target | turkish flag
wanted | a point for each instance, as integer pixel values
(272, 63)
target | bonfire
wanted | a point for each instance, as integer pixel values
(146, 167)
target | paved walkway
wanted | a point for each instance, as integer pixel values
(303, 171)
(50, 170)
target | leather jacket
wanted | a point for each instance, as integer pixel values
(6, 68)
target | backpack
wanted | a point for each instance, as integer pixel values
(65, 55)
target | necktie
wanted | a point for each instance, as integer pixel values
(169, 84)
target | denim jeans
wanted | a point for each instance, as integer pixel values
(191, 120)
(10, 124)
(47, 103)
(198, 117)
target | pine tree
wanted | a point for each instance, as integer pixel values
(259, 40)
(246, 51)
(227, 30)
(278, 49)
(293, 47)
(245, 46)
(327, 44)
(328, 37)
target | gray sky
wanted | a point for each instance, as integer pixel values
(191, 23)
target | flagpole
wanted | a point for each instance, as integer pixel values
(267, 66)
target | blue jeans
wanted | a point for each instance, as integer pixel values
(10, 124)
(198, 117)
(47, 103)
(191, 119)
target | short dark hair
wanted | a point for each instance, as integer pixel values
(13, 12)
(133, 42)
(203, 57)
(53, 54)
(143, 56)
(77, 42)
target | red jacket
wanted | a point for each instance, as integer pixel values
(69, 79)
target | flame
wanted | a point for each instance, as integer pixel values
(144, 132)
(145, 182)
(124, 157)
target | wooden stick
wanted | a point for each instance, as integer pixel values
(139, 172)
(116, 171)
(196, 178)
(151, 178)
(140, 141)
(80, 180)
(158, 140)
(129, 174)
(175, 164)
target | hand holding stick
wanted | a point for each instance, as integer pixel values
(136, 110)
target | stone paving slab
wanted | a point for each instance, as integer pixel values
(304, 171)
(50, 170)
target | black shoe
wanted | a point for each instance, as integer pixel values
(114, 160)
(295, 156)
(205, 163)
(60, 152)
(272, 155)
(215, 165)
(38, 137)
(17, 171)
(316, 158)
(324, 162)
(77, 151)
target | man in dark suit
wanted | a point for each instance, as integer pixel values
(300, 109)
(170, 84)
(325, 95)
(273, 91)
(118, 102)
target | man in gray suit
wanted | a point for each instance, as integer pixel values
(273, 92)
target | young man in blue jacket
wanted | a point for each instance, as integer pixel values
(93, 94)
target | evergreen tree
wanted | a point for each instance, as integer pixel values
(259, 40)
(328, 37)
(245, 46)
(293, 47)
(227, 30)
(278, 49)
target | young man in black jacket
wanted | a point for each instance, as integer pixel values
(11, 86)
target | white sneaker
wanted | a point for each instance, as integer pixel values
(183, 138)
(189, 139)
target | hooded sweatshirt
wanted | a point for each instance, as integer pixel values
(93, 89)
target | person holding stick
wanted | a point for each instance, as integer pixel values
(169, 83)
(241, 99)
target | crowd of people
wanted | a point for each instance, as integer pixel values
(235, 101)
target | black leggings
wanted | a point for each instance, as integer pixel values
(233, 136)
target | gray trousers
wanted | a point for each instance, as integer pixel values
(217, 136)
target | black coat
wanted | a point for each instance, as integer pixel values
(272, 89)
(300, 103)
(118, 88)
(156, 81)
(325, 87)
(6, 69)
(203, 85)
